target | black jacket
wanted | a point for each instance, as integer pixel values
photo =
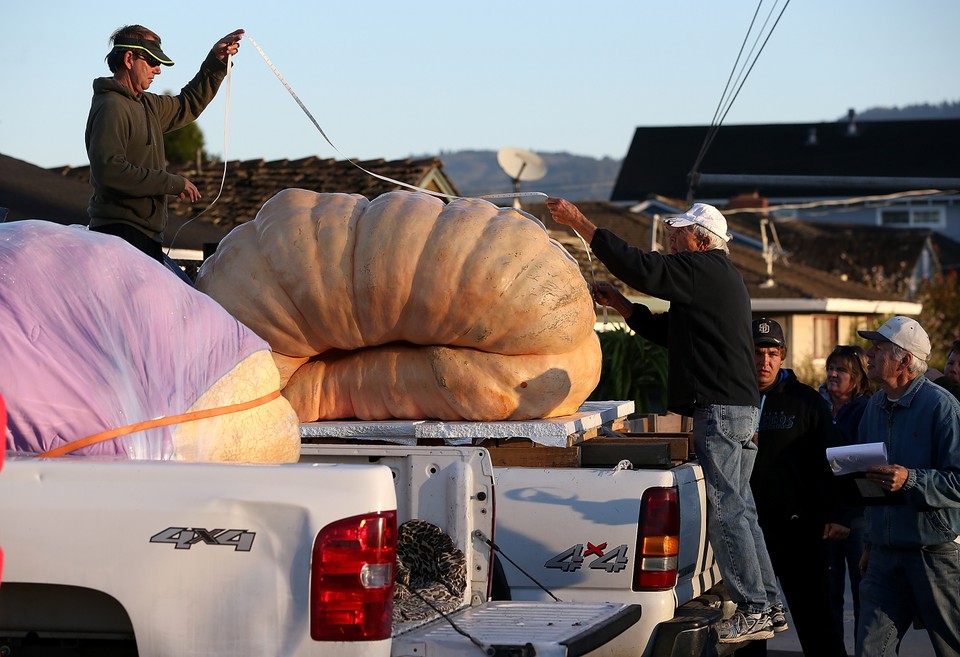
(707, 329)
(791, 476)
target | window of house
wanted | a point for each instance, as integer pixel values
(901, 216)
(929, 217)
(824, 335)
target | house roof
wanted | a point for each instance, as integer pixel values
(875, 257)
(797, 286)
(661, 158)
(31, 192)
(250, 183)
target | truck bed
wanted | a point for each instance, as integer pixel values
(564, 431)
(570, 502)
(505, 628)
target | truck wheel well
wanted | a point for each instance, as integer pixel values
(54, 610)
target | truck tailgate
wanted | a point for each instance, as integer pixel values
(545, 629)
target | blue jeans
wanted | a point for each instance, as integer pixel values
(902, 584)
(723, 437)
(843, 558)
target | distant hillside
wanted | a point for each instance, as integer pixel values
(944, 110)
(576, 177)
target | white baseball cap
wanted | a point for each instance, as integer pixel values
(904, 332)
(704, 215)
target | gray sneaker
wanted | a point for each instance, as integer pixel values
(778, 618)
(745, 627)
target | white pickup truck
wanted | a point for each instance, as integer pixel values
(157, 559)
(585, 518)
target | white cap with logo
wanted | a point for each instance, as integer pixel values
(904, 332)
(704, 215)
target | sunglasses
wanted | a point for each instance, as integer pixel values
(152, 62)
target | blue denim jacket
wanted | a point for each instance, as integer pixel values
(922, 433)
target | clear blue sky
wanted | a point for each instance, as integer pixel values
(392, 79)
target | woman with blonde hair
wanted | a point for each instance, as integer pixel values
(846, 390)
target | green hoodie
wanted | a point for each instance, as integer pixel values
(125, 146)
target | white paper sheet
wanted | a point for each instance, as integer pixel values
(856, 458)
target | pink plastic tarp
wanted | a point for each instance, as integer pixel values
(95, 335)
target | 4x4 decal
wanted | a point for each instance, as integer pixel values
(571, 559)
(183, 538)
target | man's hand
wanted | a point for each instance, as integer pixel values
(190, 191)
(864, 562)
(607, 295)
(566, 213)
(890, 477)
(228, 45)
(834, 532)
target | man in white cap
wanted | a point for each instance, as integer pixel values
(711, 379)
(911, 565)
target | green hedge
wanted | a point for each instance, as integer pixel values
(633, 368)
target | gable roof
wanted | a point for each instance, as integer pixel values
(798, 287)
(660, 159)
(250, 183)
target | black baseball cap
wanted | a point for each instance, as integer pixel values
(767, 332)
(149, 46)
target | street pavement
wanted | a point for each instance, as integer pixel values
(916, 643)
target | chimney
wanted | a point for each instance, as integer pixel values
(748, 201)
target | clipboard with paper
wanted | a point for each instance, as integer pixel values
(849, 463)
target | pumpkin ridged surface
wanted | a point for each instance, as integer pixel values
(407, 307)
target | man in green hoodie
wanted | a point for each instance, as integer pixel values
(125, 130)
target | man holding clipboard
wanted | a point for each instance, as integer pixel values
(911, 565)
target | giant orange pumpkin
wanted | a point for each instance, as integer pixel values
(406, 307)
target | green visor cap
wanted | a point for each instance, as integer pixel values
(148, 45)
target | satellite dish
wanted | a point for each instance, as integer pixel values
(520, 164)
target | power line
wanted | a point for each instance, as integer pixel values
(741, 79)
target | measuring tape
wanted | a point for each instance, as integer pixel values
(306, 111)
(293, 94)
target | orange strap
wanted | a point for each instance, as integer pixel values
(159, 422)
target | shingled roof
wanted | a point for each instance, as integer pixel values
(793, 280)
(250, 183)
(883, 259)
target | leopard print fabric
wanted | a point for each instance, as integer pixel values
(429, 567)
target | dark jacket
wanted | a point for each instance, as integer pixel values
(707, 329)
(791, 476)
(847, 421)
(847, 418)
(124, 140)
(950, 385)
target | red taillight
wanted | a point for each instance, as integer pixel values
(351, 579)
(658, 540)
